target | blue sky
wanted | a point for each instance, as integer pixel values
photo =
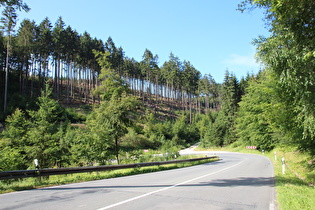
(210, 34)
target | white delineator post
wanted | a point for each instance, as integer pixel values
(283, 165)
(36, 163)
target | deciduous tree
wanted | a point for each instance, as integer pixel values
(289, 54)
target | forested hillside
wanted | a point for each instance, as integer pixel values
(70, 99)
(121, 105)
(41, 52)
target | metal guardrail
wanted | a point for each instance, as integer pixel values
(57, 171)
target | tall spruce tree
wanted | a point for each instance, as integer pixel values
(222, 131)
(45, 131)
(17, 4)
(114, 115)
(44, 44)
(9, 21)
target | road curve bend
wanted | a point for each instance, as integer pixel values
(236, 181)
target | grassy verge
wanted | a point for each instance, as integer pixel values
(294, 189)
(32, 183)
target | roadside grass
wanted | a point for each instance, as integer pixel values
(294, 189)
(7, 186)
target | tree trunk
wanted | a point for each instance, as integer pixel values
(68, 83)
(190, 108)
(6, 79)
(117, 150)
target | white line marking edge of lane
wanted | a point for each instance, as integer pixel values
(166, 188)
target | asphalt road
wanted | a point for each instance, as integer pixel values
(237, 181)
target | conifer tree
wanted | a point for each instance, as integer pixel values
(47, 126)
(114, 115)
(9, 21)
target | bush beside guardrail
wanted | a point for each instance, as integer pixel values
(58, 171)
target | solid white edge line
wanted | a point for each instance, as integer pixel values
(166, 188)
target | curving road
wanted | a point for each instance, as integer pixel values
(237, 181)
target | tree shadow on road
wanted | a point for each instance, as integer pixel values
(241, 181)
(235, 182)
